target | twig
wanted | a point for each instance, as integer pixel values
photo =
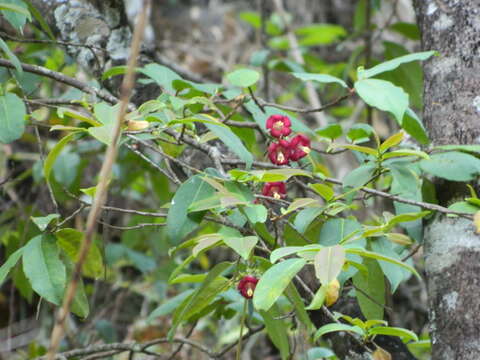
(309, 110)
(39, 70)
(413, 252)
(102, 187)
(170, 176)
(53, 42)
(225, 350)
(138, 226)
(179, 348)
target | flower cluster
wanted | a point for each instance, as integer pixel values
(284, 151)
(246, 286)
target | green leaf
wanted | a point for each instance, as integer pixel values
(332, 131)
(324, 190)
(413, 125)
(38, 16)
(392, 141)
(405, 334)
(80, 305)
(465, 207)
(409, 30)
(243, 246)
(467, 148)
(277, 331)
(65, 168)
(306, 216)
(179, 223)
(44, 269)
(203, 295)
(289, 250)
(296, 300)
(53, 154)
(43, 221)
(393, 273)
(405, 152)
(107, 115)
(373, 255)
(114, 71)
(16, 12)
(162, 75)
(243, 77)
(362, 149)
(11, 56)
(278, 174)
(454, 166)
(70, 240)
(328, 263)
(169, 305)
(394, 63)
(9, 264)
(325, 329)
(319, 298)
(319, 34)
(233, 142)
(384, 96)
(267, 175)
(256, 213)
(205, 242)
(408, 76)
(299, 203)
(359, 133)
(371, 290)
(359, 176)
(274, 281)
(322, 78)
(12, 118)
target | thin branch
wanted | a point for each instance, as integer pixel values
(308, 110)
(169, 175)
(138, 226)
(52, 42)
(102, 187)
(42, 71)
(129, 346)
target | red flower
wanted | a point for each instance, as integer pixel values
(279, 153)
(279, 126)
(247, 285)
(277, 190)
(299, 147)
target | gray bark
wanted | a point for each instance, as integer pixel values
(451, 115)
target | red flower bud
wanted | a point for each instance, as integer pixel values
(279, 126)
(277, 190)
(247, 285)
(299, 147)
(279, 153)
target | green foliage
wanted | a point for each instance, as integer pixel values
(44, 269)
(12, 118)
(274, 282)
(171, 217)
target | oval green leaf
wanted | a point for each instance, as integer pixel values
(274, 281)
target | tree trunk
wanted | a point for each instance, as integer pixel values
(451, 115)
